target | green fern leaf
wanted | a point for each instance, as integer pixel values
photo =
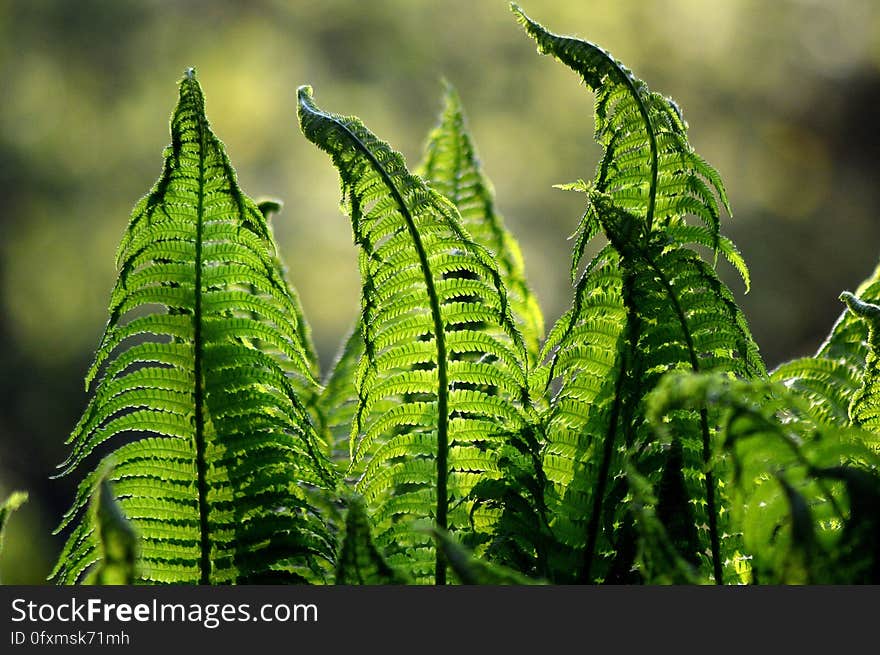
(118, 541)
(198, 372)
(648, 167)
(646, 304)
(359, 561)
(806, 492)
(443, 377)
(452, 167)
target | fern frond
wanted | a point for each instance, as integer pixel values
(359, 561)
(640, 312)
(452, 167)
(118, 541)
(648, 167)
(645, 305)
(444, 370)
(806, 492)
(198, 370)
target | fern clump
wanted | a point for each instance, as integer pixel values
(642, 440)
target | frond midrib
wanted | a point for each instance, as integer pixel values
(198, 386)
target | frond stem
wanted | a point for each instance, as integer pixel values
(198, 390)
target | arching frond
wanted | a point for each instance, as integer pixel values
(645, 305)
(451, 166)
(195, 385)
(443, 375)
(648, 167)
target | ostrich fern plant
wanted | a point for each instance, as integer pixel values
(641, 441)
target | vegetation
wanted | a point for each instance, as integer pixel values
(642, 440)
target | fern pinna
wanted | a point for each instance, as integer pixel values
(443, 377)
(646, 304)
(196, 386)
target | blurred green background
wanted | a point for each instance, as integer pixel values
(780, 96)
